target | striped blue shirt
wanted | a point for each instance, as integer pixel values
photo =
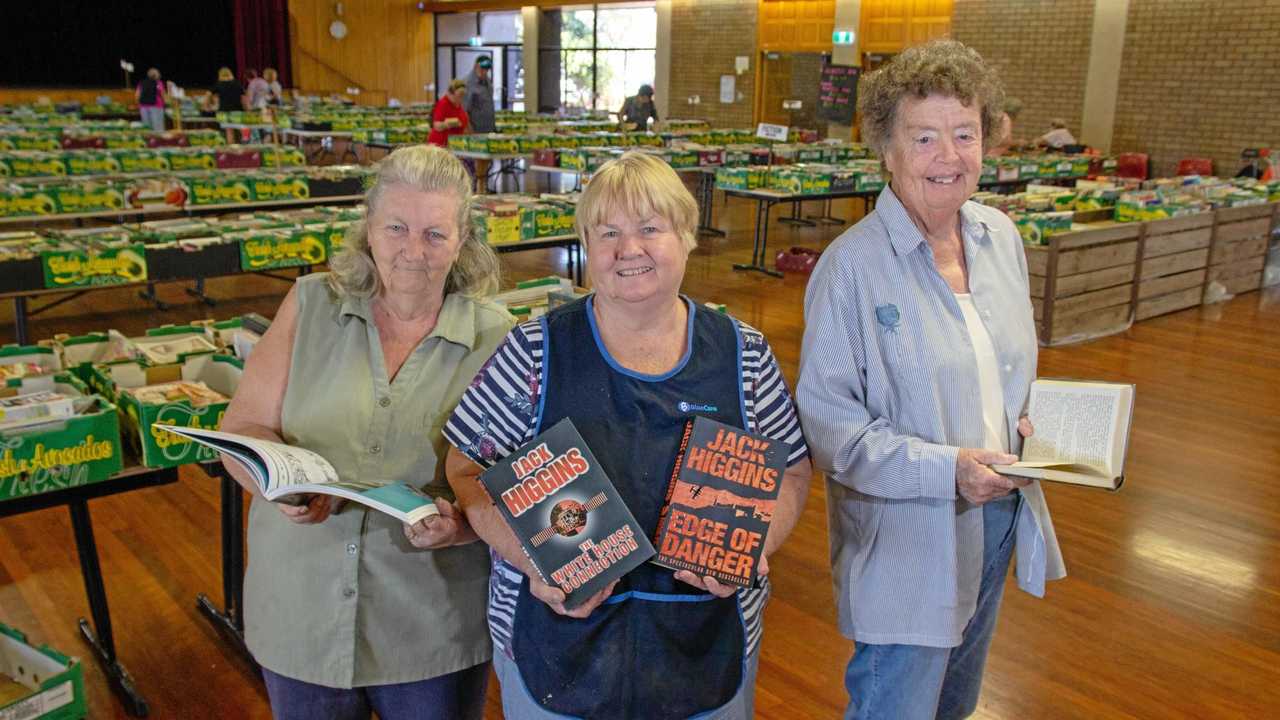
(498, 414)
(888, 393)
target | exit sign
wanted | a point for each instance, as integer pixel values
(842, 37)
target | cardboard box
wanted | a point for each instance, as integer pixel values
(45, 684)
(272, 249)
(543, 220)
(496, 229)
(89, 197)
(32, 164)
(275, 187)
(218, 190)
(283, 156)
(137, 161)
(93, 267)
(82, 449)
(91, 162)
(1037, 228)
(157, 448)
(742, 178)
(198, 158)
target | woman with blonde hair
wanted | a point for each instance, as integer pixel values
(227, 94)
(347, 610)
(630, 364)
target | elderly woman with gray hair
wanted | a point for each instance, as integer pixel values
(919, 350)
(347, 610)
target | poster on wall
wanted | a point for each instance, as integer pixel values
(838, 93)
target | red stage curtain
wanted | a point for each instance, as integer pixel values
(262, 37)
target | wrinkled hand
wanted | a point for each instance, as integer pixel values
(708, 583)
(978, 483)
(437, 531)
(1025, 428)
(554, 598)
(315, 510)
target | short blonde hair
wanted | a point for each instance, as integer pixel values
(642, 185)
(270, 75)
(225, 74)
(429, 169)
(457, 83)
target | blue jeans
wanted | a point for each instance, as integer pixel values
(456, 696)
(913, 682)
(152, 117)
(518, 704)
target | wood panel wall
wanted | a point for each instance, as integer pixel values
(888, 26)
(796, 25)
(387, 53)
(82, 95)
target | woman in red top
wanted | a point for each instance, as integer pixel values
(448, 117)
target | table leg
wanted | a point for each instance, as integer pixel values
(20, 319)
(795, 218)
(198, 292)
(229, 622)
(826, 218)
(706, 196)
(99, 635)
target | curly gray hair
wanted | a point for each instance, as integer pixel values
(942, 67)
(430, 169)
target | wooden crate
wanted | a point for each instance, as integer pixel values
(1082, 283)
(1241, 236)
(1175, 253)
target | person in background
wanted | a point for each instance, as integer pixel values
(1004, 141)
(479, 106)
(448, 117)
(637, 110)
(656, 644)
(918, 355)
(256, 91)
(1058, 136)
(275, 93)
(150, 98)
(348, 610)
(227, 95)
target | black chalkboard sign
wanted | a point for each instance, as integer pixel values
(838, 93)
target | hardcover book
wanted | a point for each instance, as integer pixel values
(724, 486)
(569, 519)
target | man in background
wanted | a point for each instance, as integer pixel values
(637, 110)
(479, 107)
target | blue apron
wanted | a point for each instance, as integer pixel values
(658, 648)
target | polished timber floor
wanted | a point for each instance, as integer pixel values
(1171, 609)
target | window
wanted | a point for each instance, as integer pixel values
(464, 37)
(593, 57)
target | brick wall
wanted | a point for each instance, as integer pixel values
(1041, 50)
(706, 36)
(1199, 78)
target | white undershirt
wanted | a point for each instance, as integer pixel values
(993, 416)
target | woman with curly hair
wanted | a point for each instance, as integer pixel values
(919, 351)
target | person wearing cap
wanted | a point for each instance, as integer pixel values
(1058, 135)
(479, 107)
(638, 108)
(449, 117)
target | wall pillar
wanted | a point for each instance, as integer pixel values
(1102, 84)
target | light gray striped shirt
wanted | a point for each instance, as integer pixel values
(888, 393)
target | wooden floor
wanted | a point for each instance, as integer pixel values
(1171, 609)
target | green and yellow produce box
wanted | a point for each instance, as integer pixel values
(79, 450)
(742, 178)
(544, 220)
(32, 164)
(38, 683)
(71, 267)
(272, 249)
(88, 197)
(1038, 228)
(196, 158)
(91, 162)
(158, 448)
(276, 187)
(143, 160)
(496, 229)
(17, 201)
(283, 156)
(218, 189)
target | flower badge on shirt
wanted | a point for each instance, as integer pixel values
(889, 318)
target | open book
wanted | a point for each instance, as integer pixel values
(1082, 433)
(285, 474)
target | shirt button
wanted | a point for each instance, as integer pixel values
(375, 449)
(351, 548)
(348, 592)
(384, 401)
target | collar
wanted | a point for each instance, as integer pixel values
(905, 237)
(456, 322)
